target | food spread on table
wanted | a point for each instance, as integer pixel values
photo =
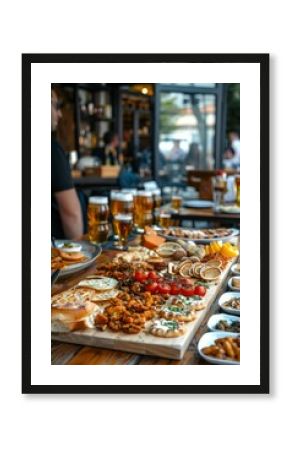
(159, 289)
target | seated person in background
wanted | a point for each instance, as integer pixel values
(111, 156)
(229, 160)
(128, 176)
(66, 215)
(193, 157)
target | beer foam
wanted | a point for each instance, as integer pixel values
(98, 200)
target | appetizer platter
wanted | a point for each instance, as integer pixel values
(71, 257)
(149, 300)
(202, 236)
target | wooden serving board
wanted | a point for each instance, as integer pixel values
(145, 343)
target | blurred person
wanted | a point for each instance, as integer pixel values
(193, 157)
(66, 214)
(176, 152)
(234, 143)
(111, 155)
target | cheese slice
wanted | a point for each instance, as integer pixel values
(99, 284)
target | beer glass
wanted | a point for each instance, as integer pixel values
(237, 184)
(219, 185)
(123, 224)
(121, 202)
(176, 202)
(165, 220)
(157, 199)
(143, 209)
(98, 213)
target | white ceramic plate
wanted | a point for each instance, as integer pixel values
(224, 298)
(235, 269)
(234, 232)
(208, 339)
(230, 284)
(216, 318)
(229, 209)
(198, 204)
(91, 251)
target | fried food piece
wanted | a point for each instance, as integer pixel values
(224, 348)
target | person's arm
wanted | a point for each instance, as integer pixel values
(70, 213)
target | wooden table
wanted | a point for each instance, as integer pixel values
(73, 354)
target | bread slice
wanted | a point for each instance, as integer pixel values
(59, 326)
(72, 305)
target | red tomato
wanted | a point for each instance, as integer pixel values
(152, 287)
(164, 288)
(153, 276)
(200, 290)
(140, 276)
(188, 291)
(175, 289)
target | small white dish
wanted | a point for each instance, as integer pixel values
(231, 286)
(225, 298)
(235, 269)
(208, 339)
(216, 318)
(70, 247)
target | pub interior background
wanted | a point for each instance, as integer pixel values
(166, 136)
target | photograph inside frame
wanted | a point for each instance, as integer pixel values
(145, 224)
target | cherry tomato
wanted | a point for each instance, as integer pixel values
(153, 276)
(200, 290)
(175, 289)
(164, 288)
(188, 291)
(140, 276)
(152, 287)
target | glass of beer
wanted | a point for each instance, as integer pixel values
(143, 209)
(98, 213)
(220, 187)
(164, 219)
(121, 202)
(237, 184)
(176, 202)
(157, 198)
(123, 225)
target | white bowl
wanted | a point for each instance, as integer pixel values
(208, 339)
(230, 284)
(216, 318)
(235, 269)
(224, 298)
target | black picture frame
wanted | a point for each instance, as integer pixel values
(263, 61)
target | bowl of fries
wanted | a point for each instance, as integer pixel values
(220, 347)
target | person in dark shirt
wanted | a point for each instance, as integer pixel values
(66, 215)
